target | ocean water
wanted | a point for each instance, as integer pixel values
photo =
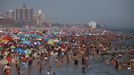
(123, 30)
(127, 42)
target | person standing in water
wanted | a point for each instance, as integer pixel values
(7, 70)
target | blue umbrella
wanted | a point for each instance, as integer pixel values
(37, 43)
(47, 39)
(59, 43)
(26, 42)
(19, 50)
(23, 38)
(26, 35)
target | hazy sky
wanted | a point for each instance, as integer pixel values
(117, 13)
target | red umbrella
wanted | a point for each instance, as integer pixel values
(7, 37)
(62, 45)
(1, 32)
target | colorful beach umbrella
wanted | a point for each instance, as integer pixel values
(7, 37)
(5, 40)
(47, 39)
(1, 31)
(37, 43)
(13, 47)
(1, 49)
(26, 42)
(19, 50)
(16, 38)
(28, 52)
(23, 38)
(51, 42)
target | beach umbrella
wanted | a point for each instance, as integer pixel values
(62, 45)
(26, 42)
(1, 39)
(27, 35)
(13, 47)
(5, 40)
(33, 36)
(37, 43)
(1, 49)
(51, 42)
(56, 40)
(16, 38)
(39, 36)
(7, 37)
(23, 38)
(47, 39)
(1, 31)
(19, 50)
(28, 52)
(59, 43)
(39, 39)
(20, 32)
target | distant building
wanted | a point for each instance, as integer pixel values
(25, 16)
(47, 23)
(92, 24)
(41, 20)
(11, 14)
(24, 13)
(5, 22)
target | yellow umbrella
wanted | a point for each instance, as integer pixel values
(1, 39)
(5, 40)
(13, 46)
(51, 42)
(20, 32)
(16, 37)
(39, 39)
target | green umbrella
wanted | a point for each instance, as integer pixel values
(23, 39)
(1, 49)
(28, 51)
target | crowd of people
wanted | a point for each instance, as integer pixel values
(29, 47)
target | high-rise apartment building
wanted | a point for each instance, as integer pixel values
(92, 24)
(39, 18)
(24, 13)
(25, 16)
(11, 14)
